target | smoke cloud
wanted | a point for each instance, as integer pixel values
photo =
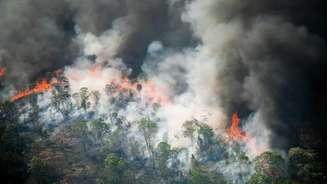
(271, 65)
(38, 36)
(210, 58)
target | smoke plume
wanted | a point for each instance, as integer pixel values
(201, 59)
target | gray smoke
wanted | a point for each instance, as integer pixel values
(272, 64)
(37, 36)
(266, 57)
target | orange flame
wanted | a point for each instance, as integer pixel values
(126, 84)
(2, 72)
(234, 132)
(154, 93)
(41, 86)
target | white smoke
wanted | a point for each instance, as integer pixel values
(188, 81)
(197, 101)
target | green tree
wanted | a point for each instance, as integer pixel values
(148, 129)
(115, 168)
(13, 145)
(208, 146)
(34, 119)
(61, 97)
(168, 164)
(305, 167)
(99, 130)
(199, 174)
(270, 168)
(163, 154)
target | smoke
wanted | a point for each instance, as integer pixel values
(270, 65)
(160, 83)
(251, 57)
(38, 36)
(33, 39)
(174, 61)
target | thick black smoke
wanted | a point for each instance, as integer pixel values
(274, 65)
(36, 36)
(274, 62)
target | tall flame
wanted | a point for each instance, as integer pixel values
(234, 132)
(2, 72)
(41, 86)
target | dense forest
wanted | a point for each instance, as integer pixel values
(88, 147)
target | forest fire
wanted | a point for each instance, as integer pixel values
(41, 86)
(2, 71)
(234, 132)
(147, 88)
(125, 84)
(154, 93)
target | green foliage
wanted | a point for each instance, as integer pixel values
(115, 163)
(117, 138)
(205, 131)
(13, 145)
(265, 179)
(260, 179)
(271, 164)
(99, 130)
(305, 166)
(61, 97)
(148, 129)
(270, 168)
(147, 126)
(115, 167)
(205, 138)
(199, 174)
(163, 154)
(209, 146)
(95, 151)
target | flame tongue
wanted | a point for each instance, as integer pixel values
(41, 86)
(234, 132)
(2, 72)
